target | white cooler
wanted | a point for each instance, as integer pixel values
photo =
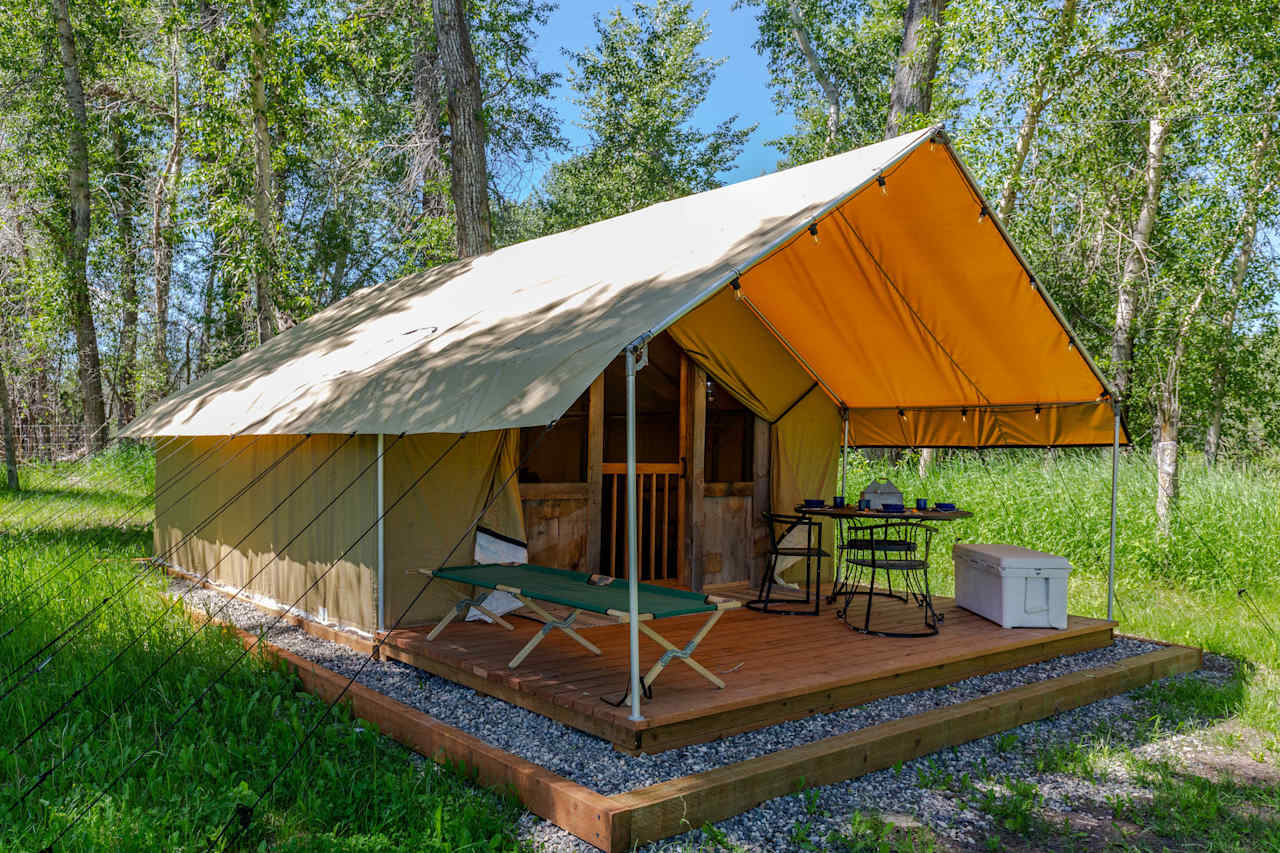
(1017, 587)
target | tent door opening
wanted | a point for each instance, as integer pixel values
(660, 466)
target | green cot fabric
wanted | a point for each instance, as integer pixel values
(561, 586)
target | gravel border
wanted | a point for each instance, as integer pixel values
(593, 762)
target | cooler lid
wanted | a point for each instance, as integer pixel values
(1009, 556)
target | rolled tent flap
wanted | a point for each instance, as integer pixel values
(805, 454)
(740, 353)
(439, 512)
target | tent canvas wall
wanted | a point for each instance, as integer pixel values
(872, 288)
(335, 479)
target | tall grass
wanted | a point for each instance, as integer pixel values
(349, 789)
(1181, 587)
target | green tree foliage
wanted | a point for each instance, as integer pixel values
(354, 194)
(853, 45)
(639, 88)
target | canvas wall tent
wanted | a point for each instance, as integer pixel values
(872, 287)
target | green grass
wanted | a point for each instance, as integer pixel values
(353, 790)
(1180, 588)
(349, 788)
(1222, 815)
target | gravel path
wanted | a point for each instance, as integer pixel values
(596, 764)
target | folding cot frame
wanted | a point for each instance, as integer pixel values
(713, 605)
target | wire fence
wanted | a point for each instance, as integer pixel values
(50, 442)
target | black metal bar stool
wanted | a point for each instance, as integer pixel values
(781, 526)
(896, 547)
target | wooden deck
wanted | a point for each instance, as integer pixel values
(775, 667)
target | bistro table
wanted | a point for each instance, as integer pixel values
(850, 518)
(852, 513)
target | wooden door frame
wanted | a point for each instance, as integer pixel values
(693, 396)
(690, 428)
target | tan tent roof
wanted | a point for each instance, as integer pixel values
(909, 309)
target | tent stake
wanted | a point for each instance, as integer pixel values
(1115, 471)
(633, 549)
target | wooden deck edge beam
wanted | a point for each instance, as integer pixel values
(670, 808)
(589, 815)
(797, 705)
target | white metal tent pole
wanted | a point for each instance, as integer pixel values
(844, 446)
(633, 548)
(382, 547)
(1115, 471)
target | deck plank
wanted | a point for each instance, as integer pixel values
(775, 667)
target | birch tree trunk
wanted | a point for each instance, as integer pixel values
(126, 167)
(1035, 106)
(263, 208)
(1135, 260)
(1169, 410)
(469, 169)
(76, 247)
(829, 92)
(1168, 418)
(912, 89)
(164, 204)
(1248, 228)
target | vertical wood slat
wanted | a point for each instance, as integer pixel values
(666, 524)
(653, 525)
(613, 535)
(595, 475)
(690, 520)
(760, 471)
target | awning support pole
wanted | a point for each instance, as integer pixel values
(636, 348)
(382, 545)
(1115, 472)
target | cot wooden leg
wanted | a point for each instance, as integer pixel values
(494, 616)
(448, 617)
(685, 654)
(550, 623)
(462, 607)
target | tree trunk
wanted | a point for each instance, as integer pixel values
(912, 90)
(469, 169)
(1168, 417)
(927, 455)
(263, 209)
(1035, 106)
(76, 246)
(1135, 261)
(164, 207)
(426, 173)
(1169, 410)
(1248, 228)
(126, 166)
(829, 91)
(10, 434)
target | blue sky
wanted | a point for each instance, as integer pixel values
(741, 85)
